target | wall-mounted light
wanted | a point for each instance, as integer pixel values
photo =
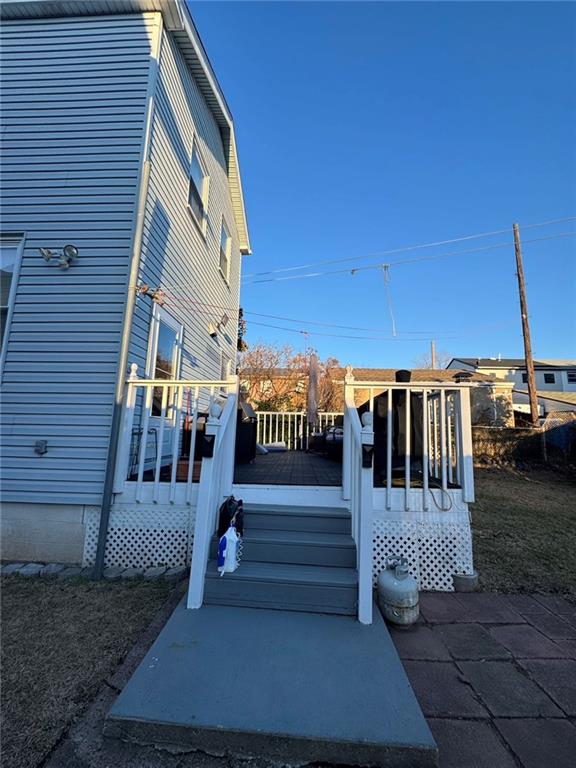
(212, 330)
(64, 257)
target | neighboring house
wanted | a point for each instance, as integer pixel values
(548, 402)
(553, 375)
(491, 401)
(117, 140)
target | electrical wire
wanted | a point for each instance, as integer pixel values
(408, 248)
(354, 270)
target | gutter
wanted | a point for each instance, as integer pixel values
(108, 490)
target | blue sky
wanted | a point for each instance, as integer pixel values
(365, 127)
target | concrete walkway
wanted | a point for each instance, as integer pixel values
(495, 676)
(292, 687)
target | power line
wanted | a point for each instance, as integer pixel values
(405, 249)
(354, 270)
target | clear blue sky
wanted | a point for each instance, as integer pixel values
(364, 127)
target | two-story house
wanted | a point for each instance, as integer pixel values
(120, 177)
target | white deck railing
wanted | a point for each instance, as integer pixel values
(440, 414)
(358, 445)
(215, 484)
(290, 427)
(158, 438)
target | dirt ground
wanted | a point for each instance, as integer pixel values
(60, 641)
(524, 530)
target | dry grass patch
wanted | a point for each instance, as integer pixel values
(524, 529)
(60, 640)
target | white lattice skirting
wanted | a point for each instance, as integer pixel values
(142, 536)
(436, 546)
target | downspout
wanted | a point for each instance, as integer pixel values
(130, 304)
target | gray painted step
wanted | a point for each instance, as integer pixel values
(303, 547)
(282, 586)
(288, 518)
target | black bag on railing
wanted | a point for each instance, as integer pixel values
(231, 513)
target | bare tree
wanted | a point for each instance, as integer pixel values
(425, 360)
(276, 378)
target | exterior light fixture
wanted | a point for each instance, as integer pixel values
(64, 257)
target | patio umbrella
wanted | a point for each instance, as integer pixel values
(312, 402)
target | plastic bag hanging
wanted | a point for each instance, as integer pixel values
(228, 552)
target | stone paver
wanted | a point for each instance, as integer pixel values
(526, 642)
(419, 643)
(113, 573)
(129, 574)
(71, 572)
(554, 627)
(442, 691)
(558, 678)
(470, 641)
(11, 568)
(489, 609)
(51, 570)
(437, 607)
(506, 691)
(540, 743)
(556, 604)
(524, 604)
(155, 573)
(30, 570)
(470, 744)
(176, 573)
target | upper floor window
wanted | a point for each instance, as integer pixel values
(549, 378)
(225, 247)
(198, 189)
(164, 352)
(571, 377)
(10, 249)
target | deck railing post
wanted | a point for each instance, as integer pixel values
(364, 543)
(465, 445)
(204, 518)
(347, 437)
(125, 442)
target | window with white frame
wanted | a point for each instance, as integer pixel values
(164, 352)
(198, 189)
(10, 252)
(225, 248)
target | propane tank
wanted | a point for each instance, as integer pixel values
(398, 592)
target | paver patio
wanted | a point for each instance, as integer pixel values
(495, 676)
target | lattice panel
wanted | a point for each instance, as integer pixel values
(395, 538)
(435, 551)
(142, 536)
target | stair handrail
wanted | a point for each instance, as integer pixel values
(358, 488)
(216, 478)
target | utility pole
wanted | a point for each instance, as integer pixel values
(526, 329)
(432, 354)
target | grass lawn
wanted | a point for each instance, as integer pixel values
(60, 640)
(524, 531)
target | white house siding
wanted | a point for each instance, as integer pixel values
(175, 255)
(74, 94)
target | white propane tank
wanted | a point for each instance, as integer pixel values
(398, 592)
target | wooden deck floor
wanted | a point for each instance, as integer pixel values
(289, 468)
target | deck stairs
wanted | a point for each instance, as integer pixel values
(293, 558)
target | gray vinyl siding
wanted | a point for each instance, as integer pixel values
(175, 255)
(74, 95)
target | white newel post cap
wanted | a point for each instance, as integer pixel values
(133, 371)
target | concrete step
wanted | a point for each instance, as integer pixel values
(292, 688)
(302, 547)
(289, 518)
(282, 586)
